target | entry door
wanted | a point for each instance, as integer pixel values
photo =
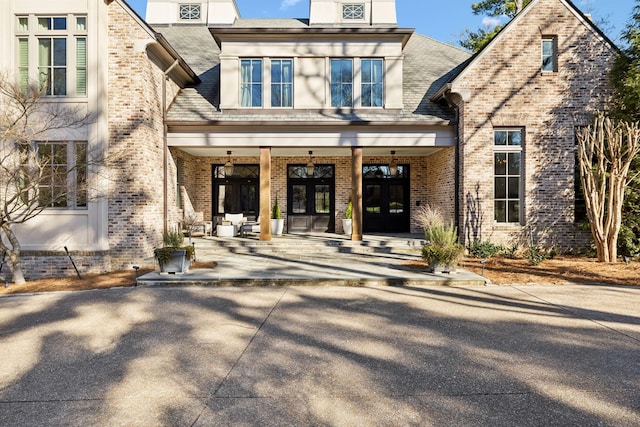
(311, 200)
(385, 201)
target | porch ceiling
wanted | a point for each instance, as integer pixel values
(304, 151)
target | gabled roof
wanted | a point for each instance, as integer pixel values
(164, 52)
(466, 66)
(427, 64)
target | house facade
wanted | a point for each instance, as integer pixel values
(219, 114)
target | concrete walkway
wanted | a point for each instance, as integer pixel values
(334, 356)
(320, 259)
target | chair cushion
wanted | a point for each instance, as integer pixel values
(235, 219)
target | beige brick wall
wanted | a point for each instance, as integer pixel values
(136, 132)
(508, 89)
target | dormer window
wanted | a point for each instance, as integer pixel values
(353, 12)
(190, 12)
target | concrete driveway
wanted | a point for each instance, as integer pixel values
(335, 356)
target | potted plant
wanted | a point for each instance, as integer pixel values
(347, 220)
(174, 257)
(442, 249)
(277, 223)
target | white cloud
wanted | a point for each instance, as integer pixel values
(288, 3)
(491, 21)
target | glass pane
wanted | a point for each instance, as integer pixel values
(248, 199)
(547, 63)
(44, 23)
(500, 211)
(256, 95)
(276, 71)
(366, 96)
(514, 163)
(366, 71)
(547, 47)
(514, 187)
(222, 194)
(81, 23)
(287, 71)
(60, 81)
(59, 153)
(44, 52)
(299, 199)
(297, 172)
(376, 98)
(500, 137)
(336, 98)
(276, 96)
(256, 71)
(59, 23)
(81, 175)
(322, 199)
(335, 71)
(372, 199)
(377, 71)
(347, 73)
(347, 97)
(500, 163)
(396, 199)
(500, 188)
(60, 52)
(287, 95)
(515, 138)
(23, 24)
(514, 211)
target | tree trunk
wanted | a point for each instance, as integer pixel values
(14, 255)
(518, 6)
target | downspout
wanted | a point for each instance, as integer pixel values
(165, 148)
(456, 202)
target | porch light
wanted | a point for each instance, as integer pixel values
(393, 166)
(228, 167)
(311, 168)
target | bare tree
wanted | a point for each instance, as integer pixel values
(34, 172)
(606, 149)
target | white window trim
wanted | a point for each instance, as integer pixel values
(34, 33)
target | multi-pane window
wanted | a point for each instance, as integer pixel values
(549, 54)
(353, 11)
(53, 51)
(507, 176)
(52, 65)
(62, 183)
(251, 83)
(190, 12)
(372, 82)
(281, 83)
(341, 83)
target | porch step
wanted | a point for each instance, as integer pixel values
(309, 244)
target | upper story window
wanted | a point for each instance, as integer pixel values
(353, 12)
(507, 156)
(372, 82)
(53, 52)
(251, 83)
(281, 83)
(190, 12)
(549, 54)
(342, 83)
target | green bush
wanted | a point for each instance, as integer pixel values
(349, 211)
(443, 254)
(536, 254)
(485, 249)
(172, 239)
(275, 212)
(441, 235)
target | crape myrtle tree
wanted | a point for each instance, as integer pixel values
(474, 41)
(625, 81)
(606, 149)
(37, 170)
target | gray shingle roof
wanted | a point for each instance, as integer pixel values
(428, 65)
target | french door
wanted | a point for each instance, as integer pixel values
(385, 199)
(310, 199)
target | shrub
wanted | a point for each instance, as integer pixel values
(349, 211)
(485, 249)
(536, 254)
(444, 254)
(172, 239)
(428, 217)
(275, 211)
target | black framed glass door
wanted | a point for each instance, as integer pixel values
(238, 192)
(385, 199)
(310, 199)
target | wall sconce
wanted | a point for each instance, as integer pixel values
(393, 166)
(311, 168)
(228, 167)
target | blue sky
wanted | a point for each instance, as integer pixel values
(444, 20)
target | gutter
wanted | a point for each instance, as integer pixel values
(165, 147)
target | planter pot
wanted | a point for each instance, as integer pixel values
(277, 227)
(439, 267)
(346, 226)
(177, 264)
